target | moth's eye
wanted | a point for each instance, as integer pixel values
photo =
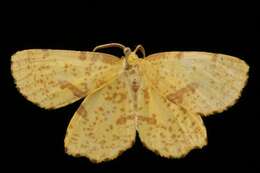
(127, 51)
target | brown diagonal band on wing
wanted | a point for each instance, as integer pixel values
(104, 125)
(55, 78)
(201, 82)
(166, 128)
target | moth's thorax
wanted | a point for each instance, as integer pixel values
(133, 74)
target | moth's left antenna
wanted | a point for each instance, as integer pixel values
(125, 49)
(104, 46)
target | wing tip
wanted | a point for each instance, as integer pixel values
(39, 104)
(232, 102)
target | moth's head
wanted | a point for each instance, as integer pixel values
(130, 56)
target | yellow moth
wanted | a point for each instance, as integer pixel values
(161, 96)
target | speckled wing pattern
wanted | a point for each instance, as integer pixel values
(178, 87)
(104, 125)
(166, 128)
(200, 82)
(162, 96)
(55, 78)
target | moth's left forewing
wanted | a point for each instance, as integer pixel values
(199, 81)
(55, 78)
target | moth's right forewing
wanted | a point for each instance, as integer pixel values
(199, 81)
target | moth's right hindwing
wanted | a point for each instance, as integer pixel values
(166, 128)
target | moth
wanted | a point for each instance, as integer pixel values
(162, 97)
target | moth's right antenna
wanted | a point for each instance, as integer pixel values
(141, 48)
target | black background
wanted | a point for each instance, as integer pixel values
(32, 138)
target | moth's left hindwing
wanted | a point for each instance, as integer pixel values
(104, 125)
(55, 78)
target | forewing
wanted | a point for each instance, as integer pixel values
(166, 128)
(104, 125)
(55, 78)
(201, 82)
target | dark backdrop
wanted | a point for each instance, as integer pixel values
(33, 137)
